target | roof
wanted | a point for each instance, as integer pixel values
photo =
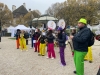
(21, 10)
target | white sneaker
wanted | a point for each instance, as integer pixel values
(52, 58)
(47, 57)
(26, 50)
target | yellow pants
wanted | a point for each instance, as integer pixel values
(23, 44)
(42, 49)
(89, 54)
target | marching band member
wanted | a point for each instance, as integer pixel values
(27, 36)
(61, 40)
(23, 41)
(42, 44)
(17, 38)
(50, 46)
(89, 55)
(80, 45)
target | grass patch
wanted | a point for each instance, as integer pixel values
(12, 38)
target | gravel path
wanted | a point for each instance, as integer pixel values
(15, 62)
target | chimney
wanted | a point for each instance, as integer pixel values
(29, 10)
(24, 4)
(13, 7)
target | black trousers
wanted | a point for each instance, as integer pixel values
(98, 72)
(26, 42)
(0, 39)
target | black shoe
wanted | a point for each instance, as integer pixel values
(35, 51)
(85, 60)
(75, 72)
(39, 54)
(43, 55)
(90, 61)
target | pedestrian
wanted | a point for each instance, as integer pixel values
(36, 41)
(17, 35)
(23, 41)
(71, 42)
(42, 44)
(98, 73)
(32, 38)
(50, 46)
(61, 41)
(89, 57)
(0, 37)
(27, 36)
(80, 44)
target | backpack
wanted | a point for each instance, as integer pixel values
(92, 39)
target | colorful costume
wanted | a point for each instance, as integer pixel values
(23, 42)
(50, 40)
(37, 43)
(61, 40)
(89, 55)
(80, 44)
(27, 36)
(42, 45)
(17, 39)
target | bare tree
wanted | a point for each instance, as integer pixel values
(5, 15)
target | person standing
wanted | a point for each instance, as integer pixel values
(61, 41)
(80, 44)
(0, 37)
(42, 44)
(36, 42)
(98, 73)
(32, 38)
(23, 41)
(89, 57)
(50, 46)
(71, 43)
(17, 38)
(27, 36)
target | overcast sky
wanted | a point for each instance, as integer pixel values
(41, 5)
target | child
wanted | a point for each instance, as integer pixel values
(27, 36)
(42, 44)
(61, 40)
(89, 55)
(50, 40)
(17, 38)
(23, 41)
(36, 41)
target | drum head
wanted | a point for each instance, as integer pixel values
(61, 23)
(51, 25)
